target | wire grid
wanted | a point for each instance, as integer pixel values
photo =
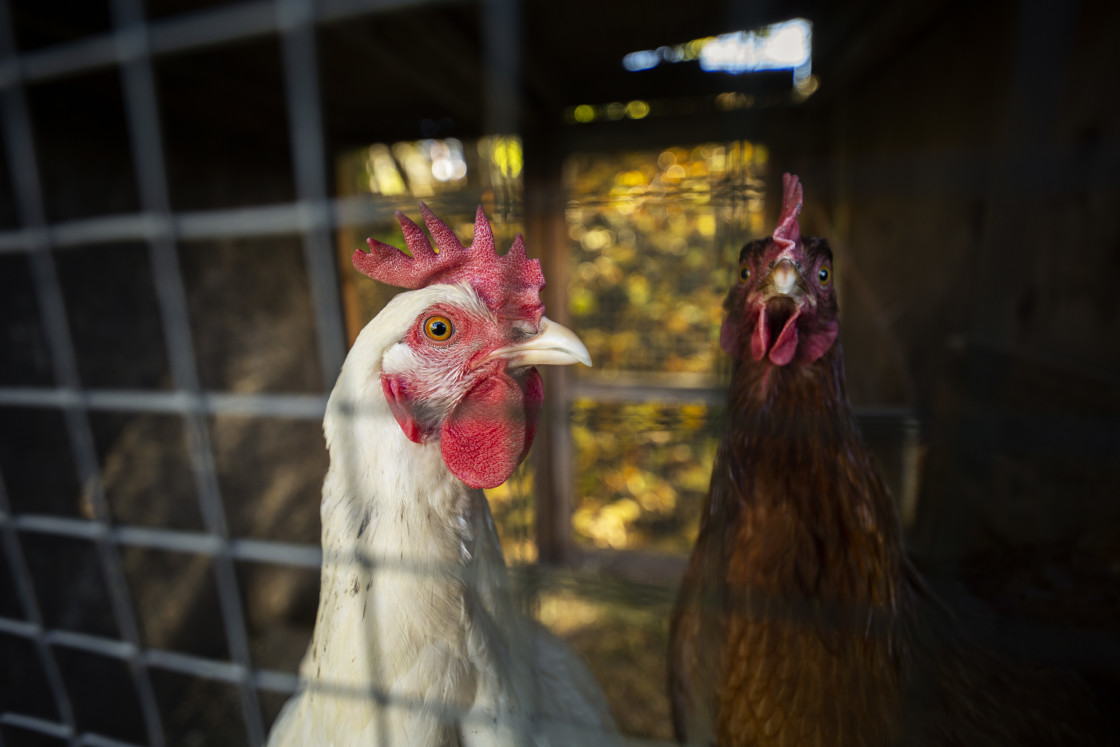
(131, 47)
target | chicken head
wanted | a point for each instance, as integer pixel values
(783, 308)
(465, 370)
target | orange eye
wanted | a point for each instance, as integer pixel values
(744, 273)
(824, 275)
(438, 328)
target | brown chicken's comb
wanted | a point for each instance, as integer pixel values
(509, 284)
(788, 231)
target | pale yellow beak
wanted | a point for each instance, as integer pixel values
(554, 345)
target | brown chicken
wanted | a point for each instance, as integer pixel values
(800, 619)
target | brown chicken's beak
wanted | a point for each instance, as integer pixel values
(784, 280)
(554, 345)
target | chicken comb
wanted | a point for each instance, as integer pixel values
(788, 231)
(509, 284)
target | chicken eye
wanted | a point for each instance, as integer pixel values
(438, 328)
(744, 274)
(824, 275)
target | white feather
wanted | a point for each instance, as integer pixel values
(415, 602)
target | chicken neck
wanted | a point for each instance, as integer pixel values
(797, 486)
(410, 552)
(796, 577)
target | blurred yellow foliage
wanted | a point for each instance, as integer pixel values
(641, 472)
(514, 508)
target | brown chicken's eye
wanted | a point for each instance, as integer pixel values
(824, 275)
(744, 274)
(438, 328)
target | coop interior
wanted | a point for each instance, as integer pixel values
(182, 186)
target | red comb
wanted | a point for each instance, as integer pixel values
(788, 231)
(509, 284)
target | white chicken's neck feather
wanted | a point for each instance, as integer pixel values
(386, 498)
(415, 602)
(372, 462)
(410, 553)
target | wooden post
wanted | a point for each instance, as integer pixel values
(546, 236)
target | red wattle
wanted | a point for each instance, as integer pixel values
(818, 343)
(488, 434)
(760, 340)
(786, 345)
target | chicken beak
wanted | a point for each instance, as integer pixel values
(554, 345)
(785, 280)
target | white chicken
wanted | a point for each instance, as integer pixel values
(418, 640)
